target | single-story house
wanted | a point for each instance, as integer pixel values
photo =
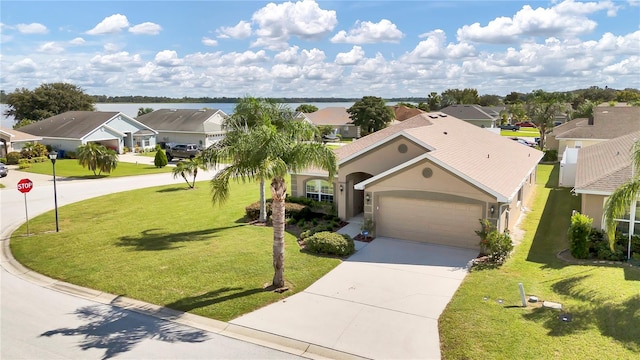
(607, 122)
(71, 129)
(403, 113)
(482, 116)
(14, 140)
(336, 117)
(430, 178)
(602, 168)
(203, 127)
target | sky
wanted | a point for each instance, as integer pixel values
(313, 48)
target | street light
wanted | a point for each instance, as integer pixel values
(53, 156)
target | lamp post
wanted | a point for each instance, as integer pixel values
(53, 156)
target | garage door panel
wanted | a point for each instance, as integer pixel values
(428, 221)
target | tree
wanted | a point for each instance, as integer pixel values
(489, 100)
(142, 111)
(542, 107)
(160, 159)
(466, 96)
(266, 151)
(370, 114)
(307, 108)
(512, 98)
(22, 122)
(518, 112)
(619, 202)
(188, 167)
(433, 100)
(47, 100)
(98, 158)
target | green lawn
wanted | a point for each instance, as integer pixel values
(71, 168)
(168, 246)
(523, 132)
(604, 301)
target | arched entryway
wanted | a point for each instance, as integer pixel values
(354, 199)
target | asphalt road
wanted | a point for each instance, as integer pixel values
(40, 323)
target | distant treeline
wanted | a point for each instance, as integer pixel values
(208, 100)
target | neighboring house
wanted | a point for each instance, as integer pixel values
(430, 178)
(403, 113)
(608, 122)
(336, 117)
(71, 129)
(14, 140)
(482, 116)
(186, 126)
(602, 168)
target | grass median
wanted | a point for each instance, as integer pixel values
(168, 246)
(603, 302)
(71, 168)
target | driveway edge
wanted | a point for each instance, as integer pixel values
(257, 337)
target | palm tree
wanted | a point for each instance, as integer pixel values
(268, 152)
(96, 157)
(622, 198)
(188, 167)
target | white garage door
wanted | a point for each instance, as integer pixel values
(429, 221)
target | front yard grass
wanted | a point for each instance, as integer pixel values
(604, 301)
(523, 132)
(168, 246)
(71, 168)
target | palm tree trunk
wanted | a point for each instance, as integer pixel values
(278, 194)
(195, 173)
(263, 203)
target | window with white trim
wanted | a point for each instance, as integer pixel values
(319, 190)
(630, 222)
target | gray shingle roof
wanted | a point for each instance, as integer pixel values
(603, 167)
(187, 120)
(608, 122)
(470, 112)
(69, 125)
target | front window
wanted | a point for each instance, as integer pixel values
(319, 190)
(630, 222)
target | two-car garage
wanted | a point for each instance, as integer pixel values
(427, 220)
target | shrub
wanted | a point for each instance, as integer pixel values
(24, 164)
(579, 235)
(3, 160)
(499, 246)
(13, 158)
(70, 155)
(550, 155)
(331, 243)
(294, 211)
(161, 159)
(305, 234)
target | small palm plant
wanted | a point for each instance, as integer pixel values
(189, 168)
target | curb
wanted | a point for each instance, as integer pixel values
(262, 338)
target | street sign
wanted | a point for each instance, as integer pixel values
(25, 185)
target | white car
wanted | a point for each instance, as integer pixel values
(4, 171)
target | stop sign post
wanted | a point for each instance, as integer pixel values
(24, 186)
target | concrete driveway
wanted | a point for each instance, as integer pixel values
(382, 303)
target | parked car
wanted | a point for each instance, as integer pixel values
(513, 127)
(182, 151)
(526, 124)
(4, 171)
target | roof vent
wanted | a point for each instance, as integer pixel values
(444, 132)
(442, 115)
(173, 110)
(433, 116)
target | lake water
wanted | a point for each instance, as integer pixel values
(132, 109)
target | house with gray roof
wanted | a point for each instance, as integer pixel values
(14, 140)
(601, 168)
(482, 116)
(203, 127)
(338, 118)
(429, 178)
(71, 129)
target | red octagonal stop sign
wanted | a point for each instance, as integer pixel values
(25, 185)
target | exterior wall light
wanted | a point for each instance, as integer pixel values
(367, 197)
(341, 188)
(492, 209)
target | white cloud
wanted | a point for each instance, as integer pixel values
(209, 42)
(23, 66)
(241, 31)
(366, 32)
(33, 28)
(121, 61)
(146, 28)
(313, 56)
(565, 20)
(77, 41)
(51, 47)
(288, 56)
(111, 24)
(168, 58)
(354, 56)
(112, 48)
(434, 48)
(303, 19)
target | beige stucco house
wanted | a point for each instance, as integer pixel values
(203, 127)
(430, 178)
(600, 170)
(14, 140)
(336, 117)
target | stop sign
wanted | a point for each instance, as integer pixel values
(25, 185)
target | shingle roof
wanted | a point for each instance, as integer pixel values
(608, 122)
(403, 113)
(70, 125)
(187, 120)
(19, 136)
(605, 166)
(334, 116)
(470, 112)
(487, 159)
